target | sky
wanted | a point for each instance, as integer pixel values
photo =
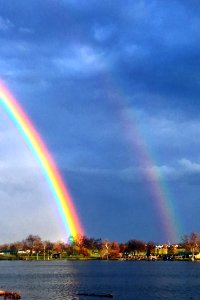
(113, 89)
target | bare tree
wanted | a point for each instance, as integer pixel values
(32, 243)
(191, 243)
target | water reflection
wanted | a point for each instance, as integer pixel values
(40, 280)
(125, 280)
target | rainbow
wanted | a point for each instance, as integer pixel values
(38, 148)
(162, 198)
(157, 187)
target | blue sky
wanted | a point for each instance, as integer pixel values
(92, 76)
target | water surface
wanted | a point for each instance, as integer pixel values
(124, 279)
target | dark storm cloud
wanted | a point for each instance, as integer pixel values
(152, 47)
(77, 67)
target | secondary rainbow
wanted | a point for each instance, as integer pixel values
(160, 193)
(38, 148)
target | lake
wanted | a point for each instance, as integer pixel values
(124, 279)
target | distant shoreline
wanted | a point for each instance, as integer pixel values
(135, 259)
(86, 248)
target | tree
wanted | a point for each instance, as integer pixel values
(4, 247)
(48, 246)
(191, 243)
(91, 243)
(122, 248)
(172, 249)
(32, 243)
(150, 249)
(84, 252)
(105, 249)
(59, 247)
(38, 247)
(15, 247)
(114, 250)
(135, 246)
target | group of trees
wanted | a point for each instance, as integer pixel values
(91, 247)
(191, 243)
(33, 245)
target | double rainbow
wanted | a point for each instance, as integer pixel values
(38, 148)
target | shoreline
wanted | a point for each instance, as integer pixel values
(40, 259)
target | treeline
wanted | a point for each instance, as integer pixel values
(33, 247)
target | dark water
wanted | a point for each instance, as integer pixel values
(124, 279)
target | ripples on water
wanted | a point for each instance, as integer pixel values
(124, 279)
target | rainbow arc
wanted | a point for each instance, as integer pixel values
(37, 146)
